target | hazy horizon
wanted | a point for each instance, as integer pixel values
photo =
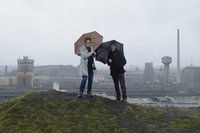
(99, 67)
(47, 29)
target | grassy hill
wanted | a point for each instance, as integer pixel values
(57, 112)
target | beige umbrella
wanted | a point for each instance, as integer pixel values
(96, 40)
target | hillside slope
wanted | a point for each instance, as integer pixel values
(58, 112)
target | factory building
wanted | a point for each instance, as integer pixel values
(25, 74)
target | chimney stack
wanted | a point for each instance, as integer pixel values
(178, 58)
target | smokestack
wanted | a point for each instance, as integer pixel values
(178, 58)
(6, 69)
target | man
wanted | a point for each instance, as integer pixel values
(116, 61)
(86, 67)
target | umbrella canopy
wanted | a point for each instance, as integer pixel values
(103, 49)
(96, 40)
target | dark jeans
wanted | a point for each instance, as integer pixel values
(84, 80)
(120, 79)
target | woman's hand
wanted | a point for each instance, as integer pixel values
(94, 53)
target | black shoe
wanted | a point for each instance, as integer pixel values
(80, 95)
(117, 99)
(124, 100)
(90, 95)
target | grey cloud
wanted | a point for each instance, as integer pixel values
(47, 29)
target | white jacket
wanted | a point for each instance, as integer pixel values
(84, 59)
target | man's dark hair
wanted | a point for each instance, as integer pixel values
(87, 39)
(112, 43)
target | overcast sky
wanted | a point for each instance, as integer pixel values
(47, 29)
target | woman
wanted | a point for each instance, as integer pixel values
(86, 67)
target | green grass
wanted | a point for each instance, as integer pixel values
(57, 112)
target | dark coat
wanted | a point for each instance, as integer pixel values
(118, 62)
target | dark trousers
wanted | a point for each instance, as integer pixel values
(90, 81)
(84, 80)
(120, 79)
